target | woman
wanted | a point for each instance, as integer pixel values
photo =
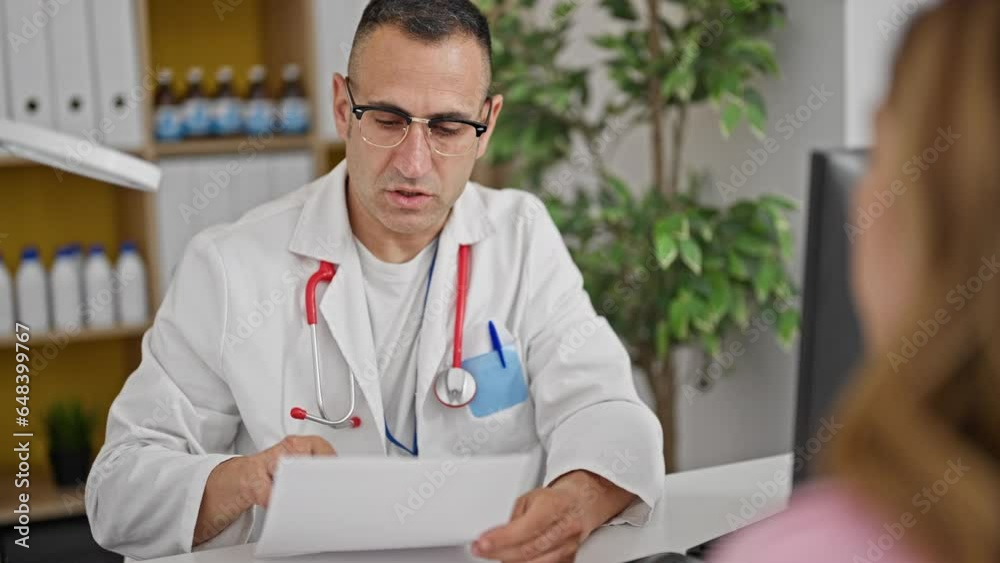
(914, 476)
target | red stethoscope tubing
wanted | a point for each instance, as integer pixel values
(463, 292)
(325, 274)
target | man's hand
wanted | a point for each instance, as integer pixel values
(237, 484)
(549, 524)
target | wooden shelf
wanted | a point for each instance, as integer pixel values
(234, 145)
(86, 335)
(47, 501)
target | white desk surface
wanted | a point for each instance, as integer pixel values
(698, 505)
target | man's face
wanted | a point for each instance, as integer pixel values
(422, 80)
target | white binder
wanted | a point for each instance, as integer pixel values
(116, 55)
(334, 23)
(26, 25)
(72, 76)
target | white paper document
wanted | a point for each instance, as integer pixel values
(335, 504)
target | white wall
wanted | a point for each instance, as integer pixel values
(874, 30)
(840, 48)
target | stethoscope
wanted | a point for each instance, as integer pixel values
(454, 387)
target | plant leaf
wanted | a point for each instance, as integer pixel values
(621, 9)
(665, 247)
(691, 255)
(757, 52)
(729, 118)
(788, 324)
(676, 224)
(620, 189)
(739, 311)
(738, 267)
(719, 294)
(752, 245)
(781, 202)
(756, 111)
(702, 317)
(765, 279)
(679, 82)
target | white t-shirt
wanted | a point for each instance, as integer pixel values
(395, 294)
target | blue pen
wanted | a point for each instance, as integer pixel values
(496, 344)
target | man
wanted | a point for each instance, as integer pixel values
(195, 434)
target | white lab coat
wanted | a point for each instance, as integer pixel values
(229, 355)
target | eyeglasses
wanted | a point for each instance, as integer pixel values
(386, 127)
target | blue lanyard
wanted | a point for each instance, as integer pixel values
(388, 433)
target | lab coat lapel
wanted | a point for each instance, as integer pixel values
(324, 233)
(468, 223)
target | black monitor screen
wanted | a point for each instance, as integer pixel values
(831, 342)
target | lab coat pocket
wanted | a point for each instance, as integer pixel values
(497, 387)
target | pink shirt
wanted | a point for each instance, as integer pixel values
(823, 524)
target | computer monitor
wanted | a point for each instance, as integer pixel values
(830, 343)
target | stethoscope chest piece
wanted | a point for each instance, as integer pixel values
(455, 387)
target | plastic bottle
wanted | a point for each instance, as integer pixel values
(32, 285)
(169, 124)
(100, 301)
(6, 301)
(259, 110)
(227, 108)
(196, 119)
(67, 310)
(293, 109)
(133, 303)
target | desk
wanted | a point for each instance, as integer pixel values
(698, 505)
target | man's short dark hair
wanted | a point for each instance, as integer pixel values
(431, 21)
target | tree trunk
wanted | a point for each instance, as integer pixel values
(661, 378)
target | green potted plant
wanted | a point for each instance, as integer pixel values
(668, 267)
(70, 427)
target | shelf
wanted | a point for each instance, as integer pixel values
(117, 333)
(234, 145)
(8, 160)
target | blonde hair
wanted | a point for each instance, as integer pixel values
(907, 419)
